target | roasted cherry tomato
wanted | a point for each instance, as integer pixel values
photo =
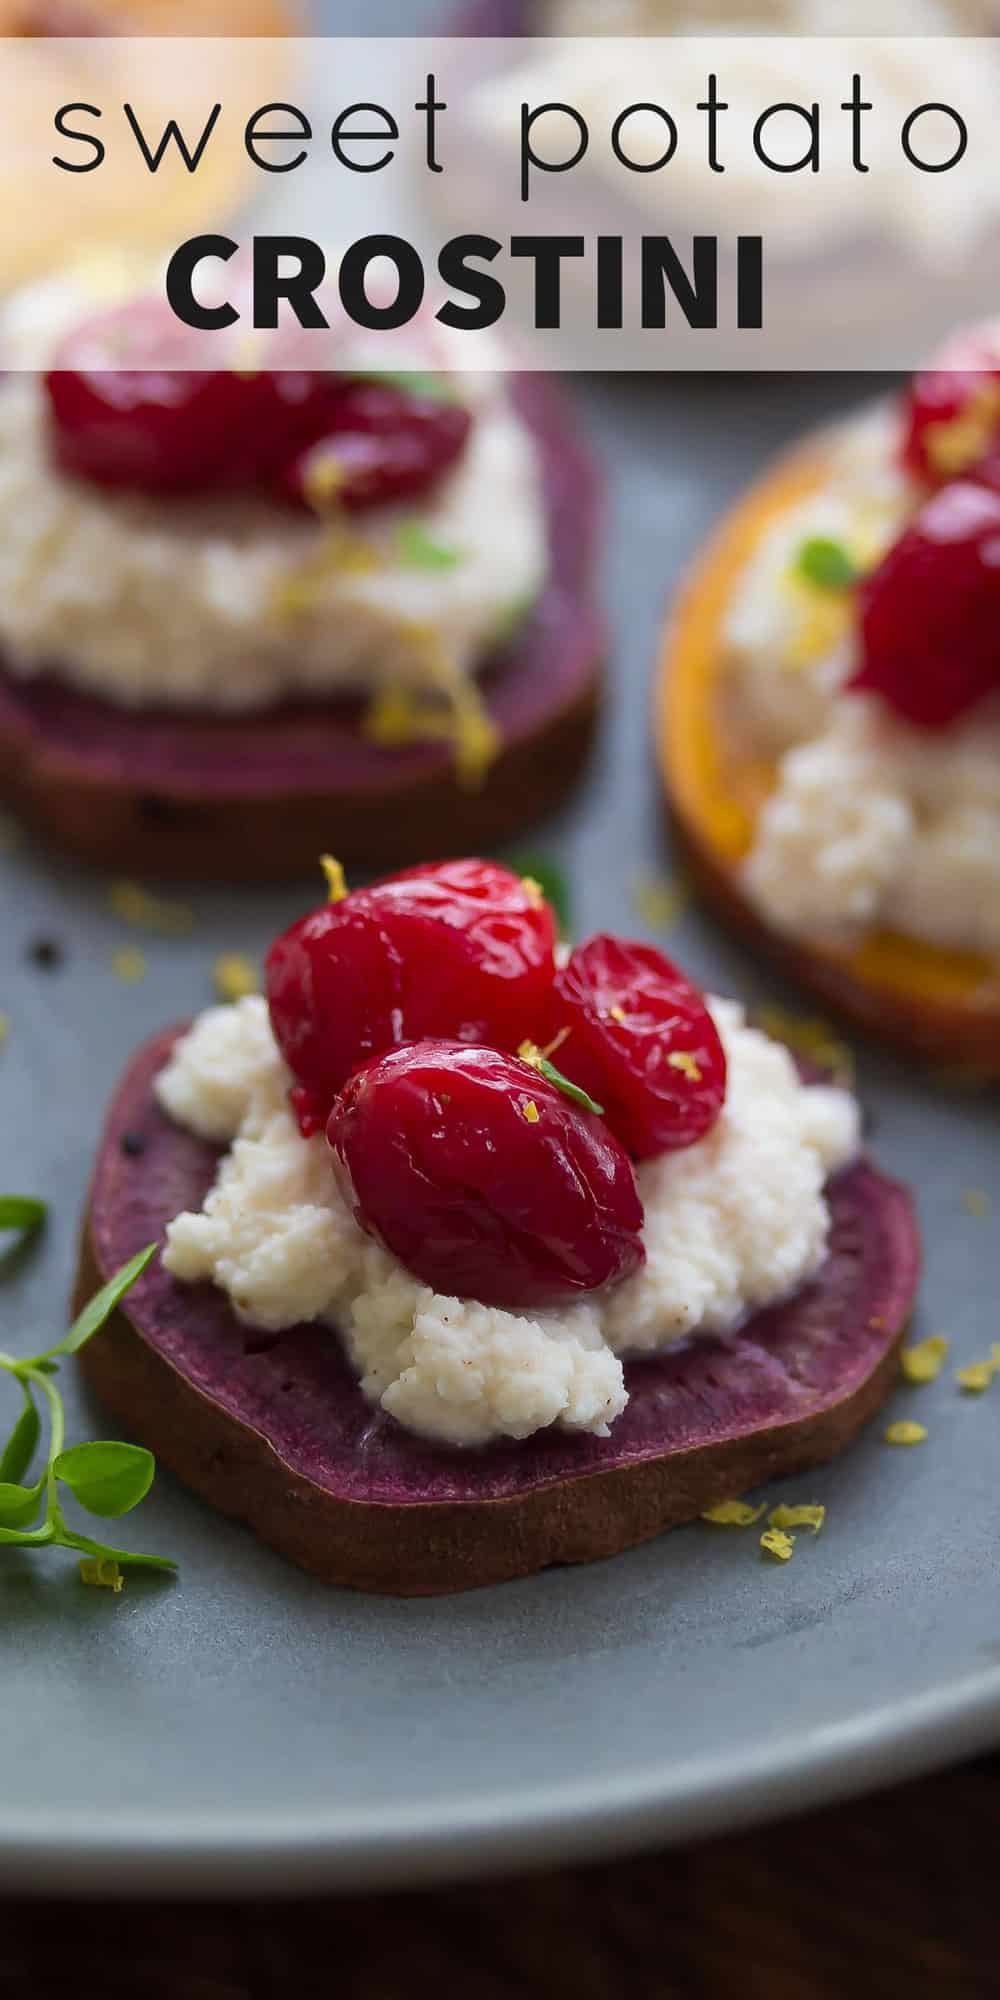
(486, 1181)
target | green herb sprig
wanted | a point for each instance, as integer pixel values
(826, 564)
(424, 382)
(538, 1061)
(416, 547)
(571, 1090)
(21, 1212)
(108, 1479)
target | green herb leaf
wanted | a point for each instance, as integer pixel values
(553, 1075)
(108, 1479)
(826, 564)
(21, 1211)
(551, 879)
(102, 1305)
(418, 548)
(414, 381)
(21, 1444)
(65, 1538)
(19, 1504)
(28, 1538)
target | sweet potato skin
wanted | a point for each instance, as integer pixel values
(191, 836)
(195, 796)
(435, 1548)
(962, 1040)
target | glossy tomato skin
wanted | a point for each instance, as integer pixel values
(382, 445)
(461, 949)
(639, 1038)
(485, 1181)
(951, 411)
(929, 615)
(187, 430)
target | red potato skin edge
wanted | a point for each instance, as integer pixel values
(436, 1548)
(275, 837)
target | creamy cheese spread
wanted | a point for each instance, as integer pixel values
(871, 821)
(234, 603)
(732, 1223)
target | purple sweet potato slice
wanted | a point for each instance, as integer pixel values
(181, 793)
(274, 1429)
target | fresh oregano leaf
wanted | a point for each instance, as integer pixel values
(413, 381)
(108, 1479)
(28, 1538)
(21, 1211)
(65, 1538)
(826, 564)
(572, 1090)
(416, 546)
(21, 1445)
(19, 1504)
(102, 1305)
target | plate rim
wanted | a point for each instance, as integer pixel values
(575, 1822)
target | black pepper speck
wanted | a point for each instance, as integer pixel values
(133, 1144)
(47, 953)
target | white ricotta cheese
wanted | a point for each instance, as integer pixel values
(736, 1221)
(871, 821)
(236, 603)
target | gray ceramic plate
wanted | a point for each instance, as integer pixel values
(245, 1727)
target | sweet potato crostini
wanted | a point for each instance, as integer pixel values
(828, 716)
(246, 614)
(430, 1312)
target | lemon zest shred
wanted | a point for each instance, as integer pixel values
(797, 1515)
(823, 621)
(336, 880)
(660, 900)
(556, 1043)
(244, 365)
(683, 1060)
(924, 1360)
(957, 442)
(618, 1014)
(813, 1039)
(129, 963)
(103, 1572)
(976, 1376)
(977, 1202)
(234, 976)
(776, 1544)
(905, 1432)
(339, 552)
(733, 1513)
(530, 1053)
(323, 482)
(144, 911)
(531, 1112)
(448, 707)
(533, 890)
